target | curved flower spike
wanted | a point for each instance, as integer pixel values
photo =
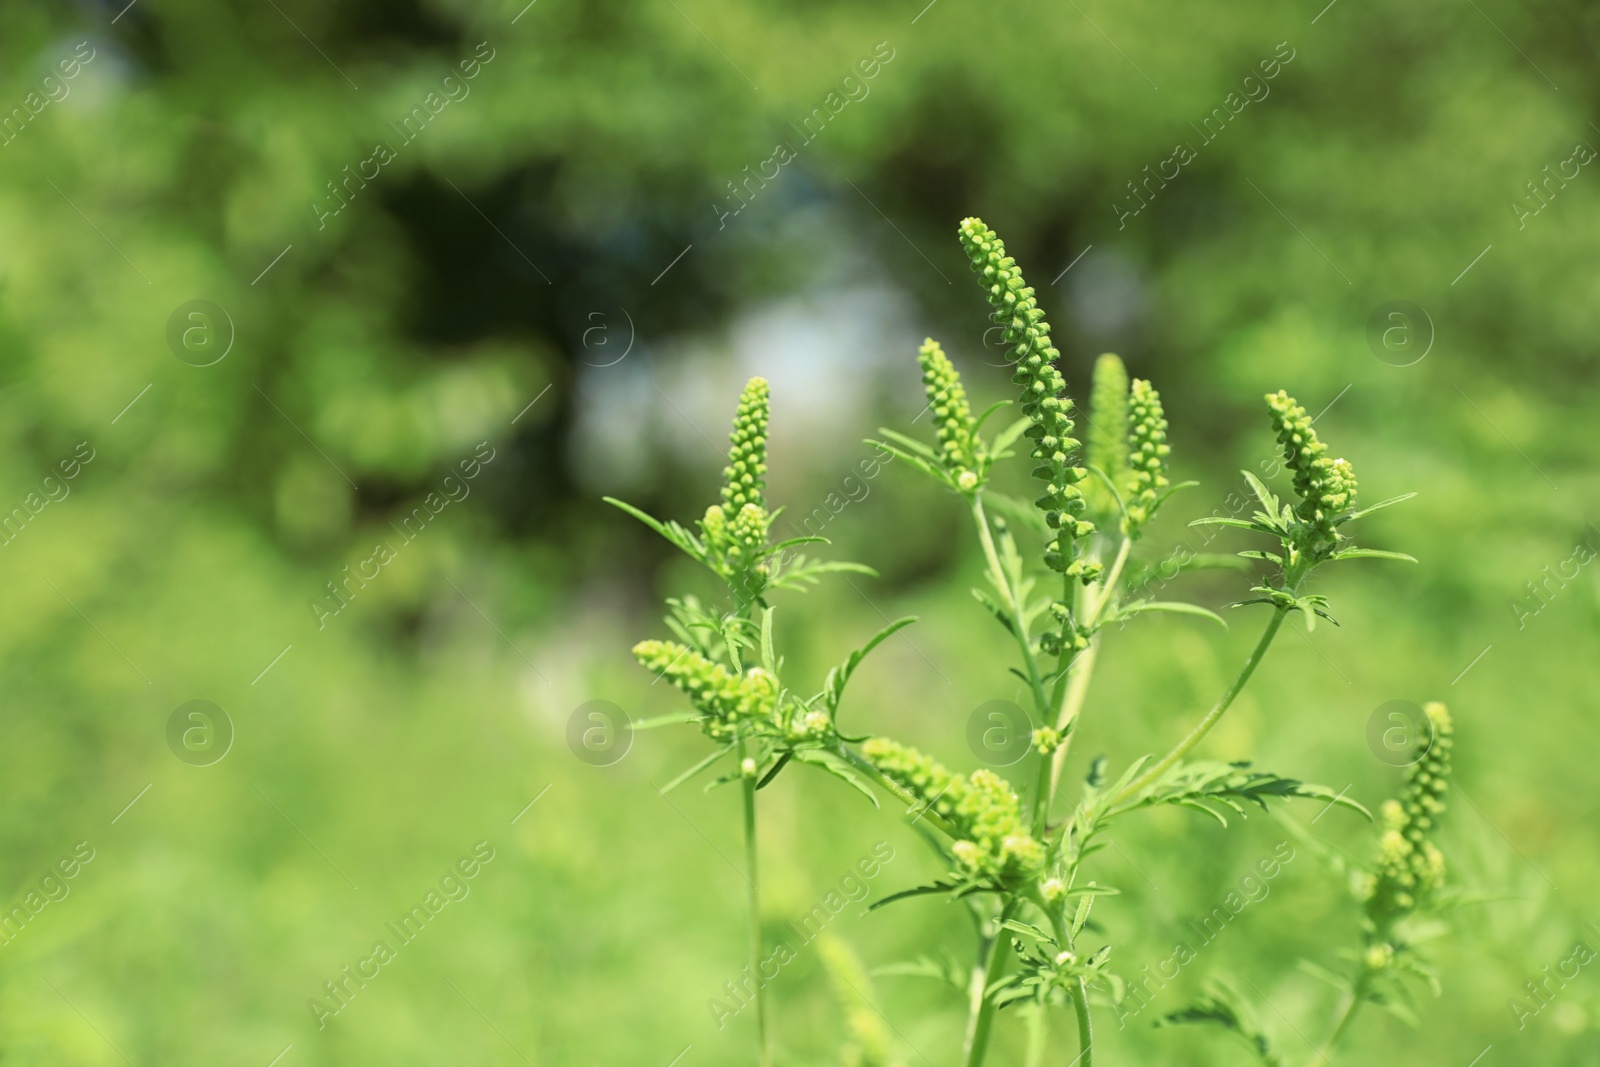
(1409, 866)
(723, 699)
(959, 447)
(992, 841)
(1044, 398)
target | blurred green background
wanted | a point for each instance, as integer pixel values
(568, 262)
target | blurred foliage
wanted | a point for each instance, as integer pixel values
(584, 171)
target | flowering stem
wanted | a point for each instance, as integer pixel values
(1078, 688)
(1080, 1005)
(1205, 724)
(753, 878)
(980, 1008)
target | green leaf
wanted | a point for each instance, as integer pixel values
(911, 445)
(931, 469)
(906, 894)
(1193, 784)
(993, 605)
(1222, 1005)
(1008, 436)
(1379, 506)
(990, 410)
(1322, 974)
(696, 769)
(837, 767)
(1220, 520)
(804, 572)
(1171, 607)
(944, 970)
(833, 689)
(1018, 926)
(657, 721)
(1269, 502)
(1372, 553)
(670, 530)
(777, 765)
(791, 542)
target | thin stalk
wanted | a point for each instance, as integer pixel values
(1078, 688)
(1347, 1014)
(980, 1009)
(753, 877)
(1205, 724)
(1018, 628)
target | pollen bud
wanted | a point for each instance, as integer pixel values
(748, 767)
(967, 480)
(1053, 890)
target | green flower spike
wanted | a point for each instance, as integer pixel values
(1107, 446)
(992, 841)
(724, 699)
(735, 531)
(1326, 487)
(960, 449)
(1044, 398)
(1409, 866)
(744, 479)
(1148, 450)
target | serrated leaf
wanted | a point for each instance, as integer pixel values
(673, 532)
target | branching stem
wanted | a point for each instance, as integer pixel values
(1205, 724)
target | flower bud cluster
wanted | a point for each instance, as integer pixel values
(1044, 398)
(1148, 451)
(960, 450)
(981, 810)
(1326, 487)
(744, 479)
(724, 699)
(1409, 865)
(1107, 446)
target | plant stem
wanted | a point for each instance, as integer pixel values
(1078, 688)
(753, 878)
(1347, 1014)
(1205, 724)
(980, 1009)
(1018, 627)
(1080, 1005)
(1080, 991)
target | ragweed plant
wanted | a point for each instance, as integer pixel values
(1401, 893)
(1057, 569)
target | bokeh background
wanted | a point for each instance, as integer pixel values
(568, 263)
